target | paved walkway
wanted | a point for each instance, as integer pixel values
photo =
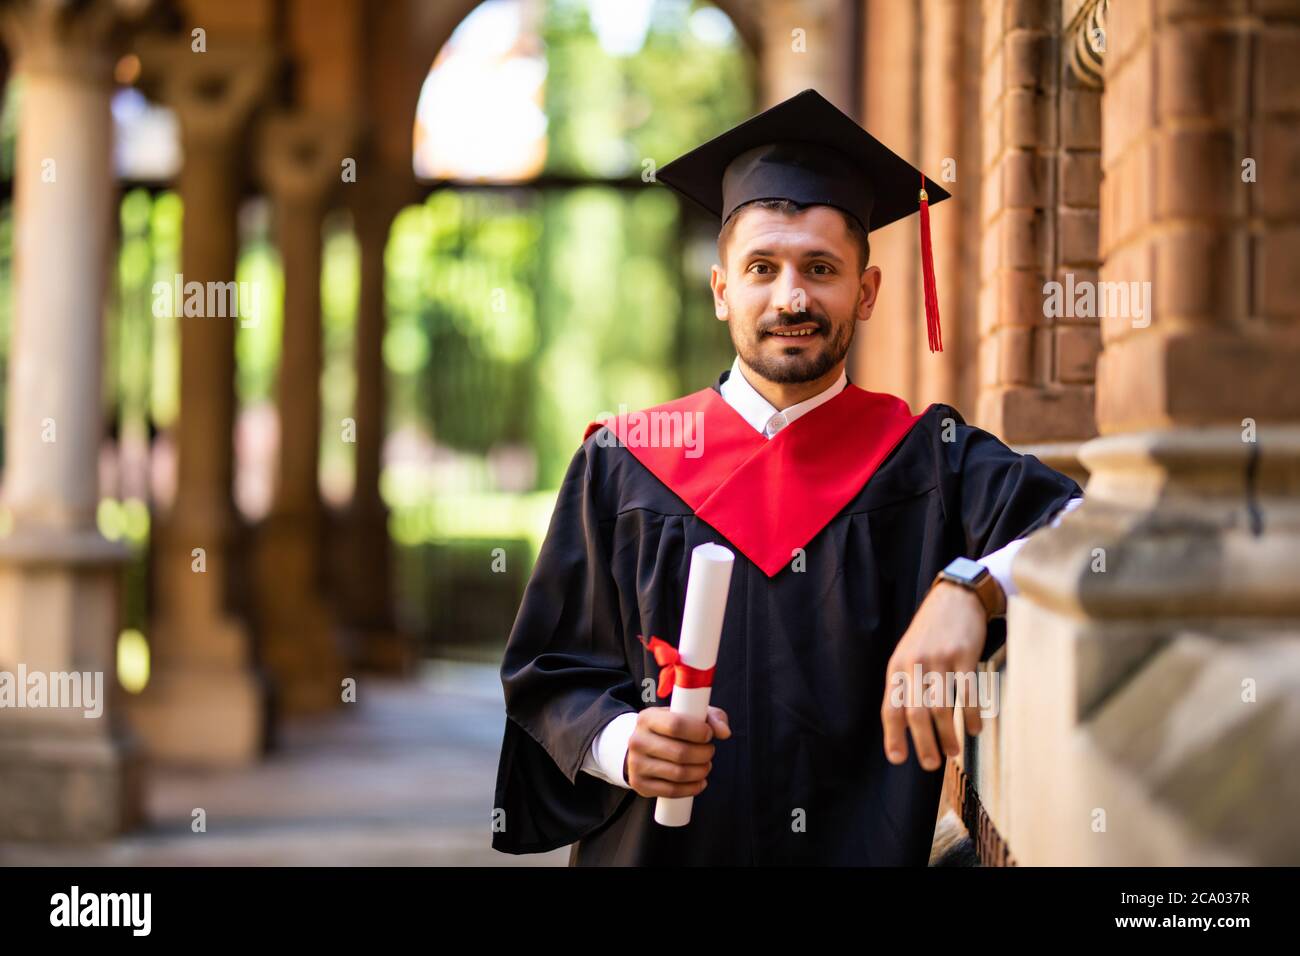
(402, 777)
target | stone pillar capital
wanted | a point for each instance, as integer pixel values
(213, 93)
(301, 156)
(74, 40)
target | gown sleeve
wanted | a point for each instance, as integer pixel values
(999, 494)
(565, 675)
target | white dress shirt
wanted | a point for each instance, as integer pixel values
(609, 748)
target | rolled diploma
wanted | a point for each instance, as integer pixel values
(706, 603)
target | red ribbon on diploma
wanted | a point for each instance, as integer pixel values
(674, 672)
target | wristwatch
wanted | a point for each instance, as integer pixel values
(975, 577)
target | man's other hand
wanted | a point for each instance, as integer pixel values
(670, 755)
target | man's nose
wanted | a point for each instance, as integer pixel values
(787, 294)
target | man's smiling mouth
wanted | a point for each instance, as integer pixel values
(794, 331)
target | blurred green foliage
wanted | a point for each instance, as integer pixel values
(518, 316)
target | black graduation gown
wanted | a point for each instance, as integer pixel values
(800, 670)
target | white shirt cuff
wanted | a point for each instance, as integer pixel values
(999, 562)
(609, 748)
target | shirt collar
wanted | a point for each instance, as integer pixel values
(759, 412)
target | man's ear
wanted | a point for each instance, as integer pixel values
(870, 287)
(718, 282)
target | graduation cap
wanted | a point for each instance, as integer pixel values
(806, 150)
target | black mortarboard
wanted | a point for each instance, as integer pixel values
(806, 150)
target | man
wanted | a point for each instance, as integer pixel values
(853, 521)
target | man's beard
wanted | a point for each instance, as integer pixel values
(810, 364)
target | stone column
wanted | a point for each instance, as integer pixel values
(365, 582)
(301, 156)
(62, 776)
(1041, 133)
(1155, 646)
(944, 106)
(1037, 178)
(808, 43)
(205, 703)
(920, 83)
(885, 352)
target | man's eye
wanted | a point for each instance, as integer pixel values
(822, 265)
(759, 265)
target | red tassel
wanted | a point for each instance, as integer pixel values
(927, 273)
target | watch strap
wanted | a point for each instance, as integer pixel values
(985, 587)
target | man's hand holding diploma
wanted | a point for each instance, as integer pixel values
(670, 755)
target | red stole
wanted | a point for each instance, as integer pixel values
(766, 496)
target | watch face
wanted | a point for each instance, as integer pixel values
(966, 569)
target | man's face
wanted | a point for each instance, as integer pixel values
(791, 291)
